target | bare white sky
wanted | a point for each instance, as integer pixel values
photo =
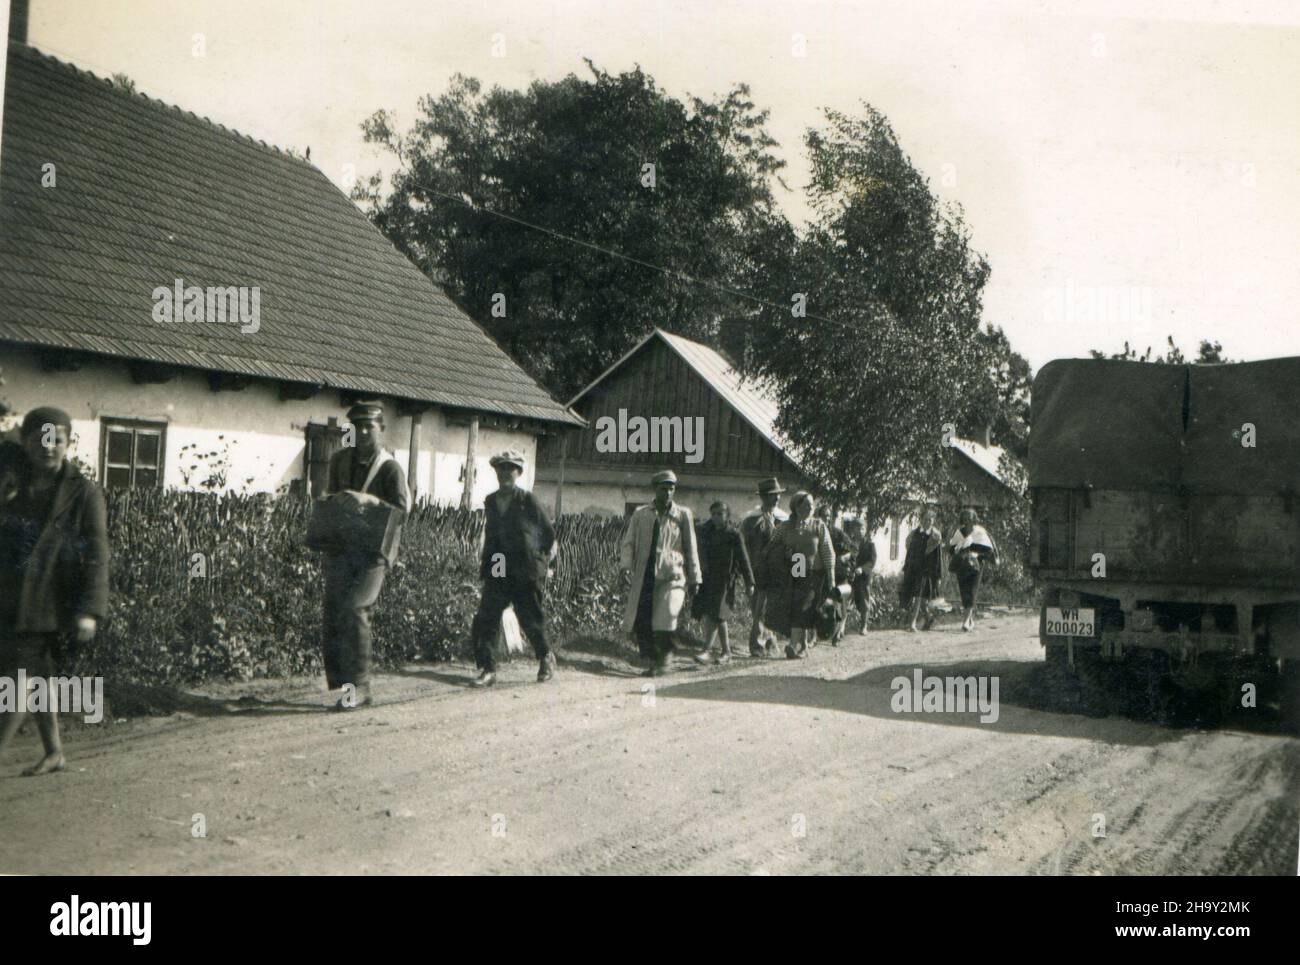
(1131, 168)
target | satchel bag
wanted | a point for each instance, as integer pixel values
(670, 567)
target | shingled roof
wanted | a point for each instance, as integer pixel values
(147, 193)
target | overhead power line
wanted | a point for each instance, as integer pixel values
(612, 253)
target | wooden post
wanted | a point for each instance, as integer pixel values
(559, 486)
(413, 457)
(467, 495)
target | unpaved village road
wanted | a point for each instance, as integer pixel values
(720, 773)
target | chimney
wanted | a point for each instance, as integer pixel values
(18, 20)
(988, 434)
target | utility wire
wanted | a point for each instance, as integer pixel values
(671, 273)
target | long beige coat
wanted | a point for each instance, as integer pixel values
(678, 558)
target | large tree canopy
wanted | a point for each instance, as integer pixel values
(572, 157)
(866, 325)
(889, 361)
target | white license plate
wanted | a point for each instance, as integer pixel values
(1071, 621)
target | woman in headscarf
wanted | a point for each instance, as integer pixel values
(972, 550)
(801, 562)
(922, 569)
(724, 561)
(55, 562)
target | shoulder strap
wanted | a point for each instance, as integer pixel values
(383, 457)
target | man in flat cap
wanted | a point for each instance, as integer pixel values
(53, 567)
(369, 475)
(660, 560)
(518, 541)
(758, 529)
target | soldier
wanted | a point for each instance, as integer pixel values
(758, 530)
(370, 475)
(661, 563)
(517, 544)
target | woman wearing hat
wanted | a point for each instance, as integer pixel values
(53, 565)
(659, 557)
(801, 563)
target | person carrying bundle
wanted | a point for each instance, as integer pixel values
(359, 533)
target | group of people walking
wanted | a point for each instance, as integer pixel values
(801, 572)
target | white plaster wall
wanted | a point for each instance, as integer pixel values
(451, 446)
(880, 539)
(260, 438)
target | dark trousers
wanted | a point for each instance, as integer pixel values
(352, 585)
(862, 596)
(499, 593)
(968, 582)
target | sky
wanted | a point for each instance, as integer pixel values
(1130, 168)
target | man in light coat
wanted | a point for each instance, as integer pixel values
(660, 558)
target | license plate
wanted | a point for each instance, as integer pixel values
(1071, 621)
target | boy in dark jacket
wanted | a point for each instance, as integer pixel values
(864, 562)
(517, 543)
(53, 566)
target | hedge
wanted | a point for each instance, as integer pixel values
(221, 586)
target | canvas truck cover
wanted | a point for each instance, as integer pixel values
(1113, 424)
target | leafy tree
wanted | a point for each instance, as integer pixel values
(1207, 354)
(889, 356)
(887, 351)
(571, 156)
(1000, 404)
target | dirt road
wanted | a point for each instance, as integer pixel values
(767, 767)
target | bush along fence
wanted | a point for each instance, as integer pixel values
(221, 586)
(209, 586)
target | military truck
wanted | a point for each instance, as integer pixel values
(1165, 535)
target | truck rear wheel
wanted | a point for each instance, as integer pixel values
(1081, 689)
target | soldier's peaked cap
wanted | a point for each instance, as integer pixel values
(374, 411)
